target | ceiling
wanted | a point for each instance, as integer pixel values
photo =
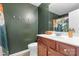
(36, 4)
(63, 8)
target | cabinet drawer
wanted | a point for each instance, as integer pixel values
(51, 52)
(65, 49)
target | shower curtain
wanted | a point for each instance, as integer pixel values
(3, 38)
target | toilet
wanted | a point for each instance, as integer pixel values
(33, 49)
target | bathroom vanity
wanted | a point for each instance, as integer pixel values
(50, 45)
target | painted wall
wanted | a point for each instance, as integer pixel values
(21, 25)
(43, 16)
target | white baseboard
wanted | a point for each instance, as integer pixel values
(22, 53)
(1, 52)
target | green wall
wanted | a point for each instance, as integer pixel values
(43, 17)
(21, 21)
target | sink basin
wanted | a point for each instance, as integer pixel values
(57, 36)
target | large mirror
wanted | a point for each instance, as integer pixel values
(59, 14)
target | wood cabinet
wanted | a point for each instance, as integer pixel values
(42, 49)
(48, 47)
(66, 49)
(52, 52)
(51, 44)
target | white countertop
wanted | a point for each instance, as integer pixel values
(65, 39)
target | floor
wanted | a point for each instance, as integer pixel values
(21, 53)
(1, 51)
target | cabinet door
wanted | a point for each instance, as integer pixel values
(51, 52)
(66, 49)
(77, 52)
(42, 49)
(51, 43)
(48, 42)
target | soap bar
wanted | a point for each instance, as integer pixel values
(49, 32)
